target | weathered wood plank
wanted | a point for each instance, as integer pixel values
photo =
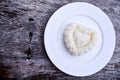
(22, 25)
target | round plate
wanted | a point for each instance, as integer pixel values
(87, 15)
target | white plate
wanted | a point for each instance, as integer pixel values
(88, 15)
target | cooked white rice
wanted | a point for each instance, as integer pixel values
(79, 39)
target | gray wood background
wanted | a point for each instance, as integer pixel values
(22, 52)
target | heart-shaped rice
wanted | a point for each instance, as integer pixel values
(79, 39)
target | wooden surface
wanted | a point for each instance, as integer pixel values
(22, 52)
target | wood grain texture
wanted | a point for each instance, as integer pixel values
(22, 25)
